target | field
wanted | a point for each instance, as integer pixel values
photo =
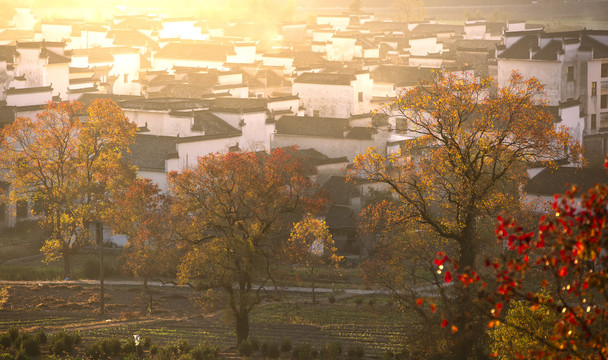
(372, 321)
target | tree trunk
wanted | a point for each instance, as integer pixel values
(101, 275)
(67, 262)
(314, 299)
(242, 326)
(146, 298)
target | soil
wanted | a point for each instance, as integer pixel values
(74, 306)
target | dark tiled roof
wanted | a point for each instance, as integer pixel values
(384, 26)
(433, 29)
(7, 53)
(340, 191)
(401, 75)
(53, 57)
(29, 90)
(163, 104)
(361, 133)
(312, 126)
(314, 157)
(325, 78)
(341, 217)
(233, 104)
(195, 51)
(555, 181)
(131, 37)
(181, 91)
(86, 99)
(209, 123)
(149, 152)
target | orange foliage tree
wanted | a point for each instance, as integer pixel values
(232, 210)
(311, 244)
(561, 267)
(66, 162)
(465, 165)
(142, 212)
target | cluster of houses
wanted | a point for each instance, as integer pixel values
(195, 87)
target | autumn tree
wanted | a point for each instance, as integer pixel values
(233, 207)
(142, 212)
(64, 163)
(464, 167)
(311, 244)
(411, 10)
(560, 267)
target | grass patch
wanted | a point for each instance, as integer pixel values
(30, 272)
(322, 314)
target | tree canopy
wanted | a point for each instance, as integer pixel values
(65, 162)
(234, 211)
(465, 165)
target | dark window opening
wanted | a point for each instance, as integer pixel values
(570, 73)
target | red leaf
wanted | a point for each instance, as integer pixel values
(419, 301)
(444, 323)
(563, 271)
(448, 277)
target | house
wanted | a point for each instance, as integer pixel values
(334, 137)
(191, 54)
(389, 80)
(540, 190)
(571, 66)
(43, 64)
(334, 93)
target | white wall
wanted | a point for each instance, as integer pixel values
(329, 100)
(332, 147)
(547, 72)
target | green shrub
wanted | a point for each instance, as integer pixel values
(63, 342)
(111, 346)
(205, 351)
(183, 346)
(331, 350)
(5, 340)
(94, 351)
(255, 343)
(40, 335)
(146, 342)
(30, 346)
(20, 355)
(13, 332)
(246, 347)
(271, 350)
(6, 356)
(302, 352)
(356, 353)
(153, 350)
(286, 345)
(130, 348)
(168, 352)
(388, 355)
(90, 269)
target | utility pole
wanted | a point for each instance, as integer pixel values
(99, 234)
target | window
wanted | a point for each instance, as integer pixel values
(593, 121)
(605, 70)
(604, 101)
(360, 97)
(594, 88)
(570, 73)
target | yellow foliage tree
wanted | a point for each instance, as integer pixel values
(465, 166)
(67, 162)
(311, 244)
